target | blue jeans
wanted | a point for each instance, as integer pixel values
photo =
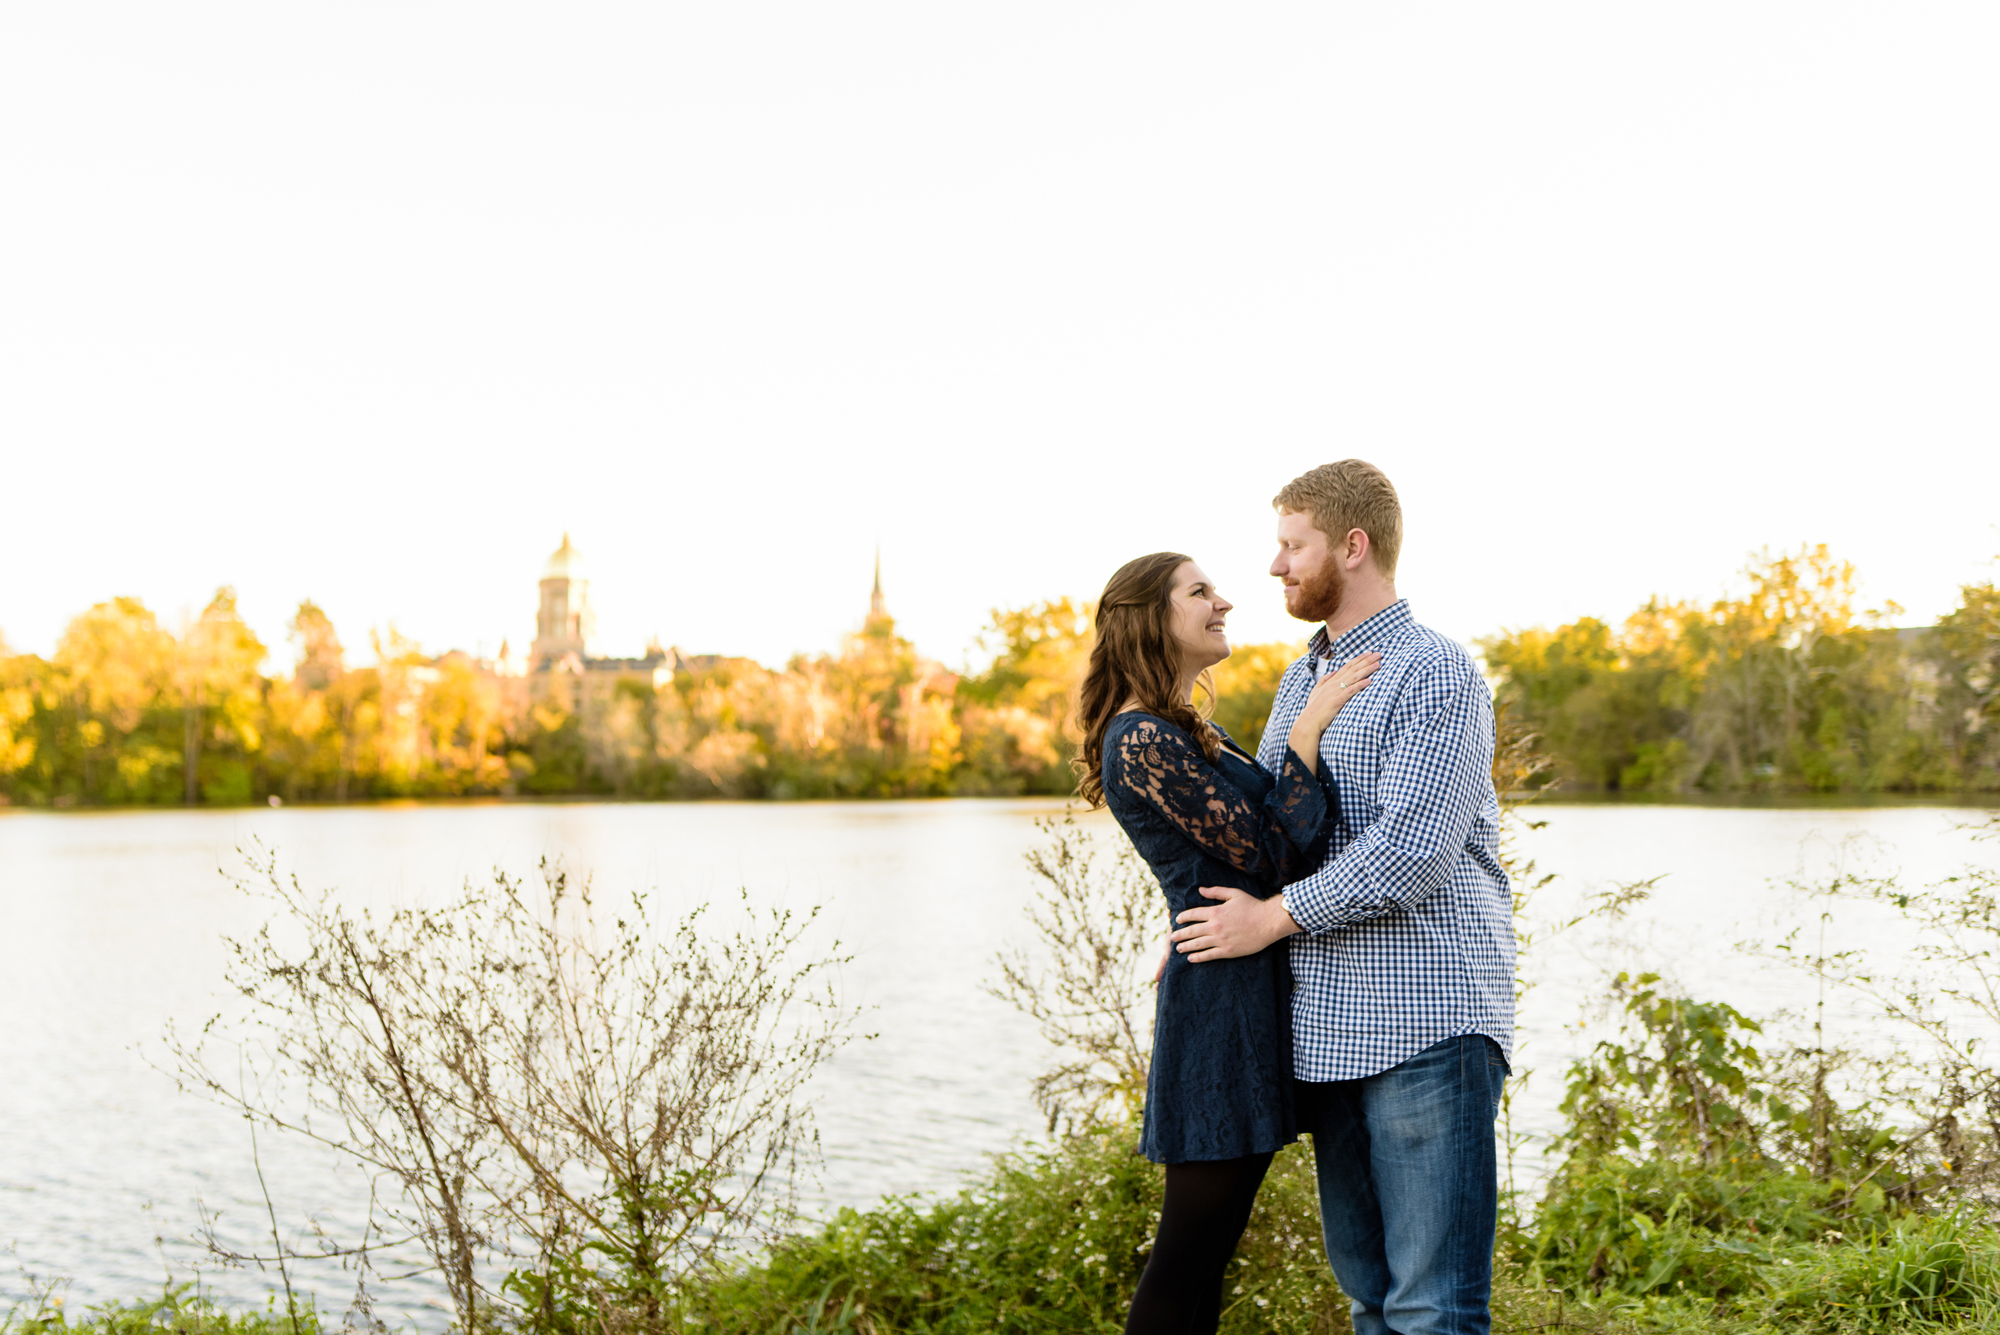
(1409, 1187)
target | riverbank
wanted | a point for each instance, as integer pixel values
(106, 1158)
(1972, 801)
(1054, 1240)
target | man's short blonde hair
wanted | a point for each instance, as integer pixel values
(1345, 496)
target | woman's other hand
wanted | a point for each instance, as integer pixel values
(1329, 695)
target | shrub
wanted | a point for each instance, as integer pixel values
(1689, 1157)
(1052, 1240)
(614, 1103)
(1923, 1270)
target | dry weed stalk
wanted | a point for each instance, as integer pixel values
(1942, 1005)
(1099, 921)
(602, 1108)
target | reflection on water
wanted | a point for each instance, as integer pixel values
(114, 924)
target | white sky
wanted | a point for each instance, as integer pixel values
(370, 302)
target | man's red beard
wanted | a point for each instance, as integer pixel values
(1317, 597)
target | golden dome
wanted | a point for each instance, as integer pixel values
(564, 563)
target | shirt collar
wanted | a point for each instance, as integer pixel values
(1370, 634)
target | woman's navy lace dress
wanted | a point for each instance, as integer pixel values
(1221, 1081)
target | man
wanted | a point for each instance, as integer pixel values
(1402, 943)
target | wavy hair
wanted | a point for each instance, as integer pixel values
(1134, 657)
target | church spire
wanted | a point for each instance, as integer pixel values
(878, 607)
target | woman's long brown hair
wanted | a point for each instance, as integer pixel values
(1136, 659)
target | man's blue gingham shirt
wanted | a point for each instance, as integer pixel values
(1408, 933)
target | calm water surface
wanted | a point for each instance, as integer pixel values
(113, 924)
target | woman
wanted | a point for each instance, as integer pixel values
(1202, 812)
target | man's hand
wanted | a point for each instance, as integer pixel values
(1241, 924)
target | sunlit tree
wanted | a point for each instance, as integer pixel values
(220, 694)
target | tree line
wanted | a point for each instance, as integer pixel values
(1785, 686)
(128, 711)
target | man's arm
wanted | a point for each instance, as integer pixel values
(1430, 789)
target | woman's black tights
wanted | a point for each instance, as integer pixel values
(1207, 1205)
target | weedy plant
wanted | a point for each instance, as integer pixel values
(1943, 999)
(598, 1107)
(181, 1309)
(1099, 923)
(1053, 1239)
(1673, 1179)
(1524, 772)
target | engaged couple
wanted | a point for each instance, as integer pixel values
(1343, 959)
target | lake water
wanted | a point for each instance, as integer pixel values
(113, 924)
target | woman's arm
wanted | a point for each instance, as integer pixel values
(1329, 695)
(1324, 704)
(1162, 766)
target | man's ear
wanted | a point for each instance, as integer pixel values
(1357, 548)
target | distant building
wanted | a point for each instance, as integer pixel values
(507, 663)
(566, 625)
(560, 659)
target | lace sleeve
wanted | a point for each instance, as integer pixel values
(1273, 840)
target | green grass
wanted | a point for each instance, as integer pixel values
(1050, 1241)
(1053, 1240)
(181, 1310)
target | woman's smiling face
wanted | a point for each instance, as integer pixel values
(1196, 615)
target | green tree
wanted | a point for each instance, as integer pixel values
(321, 659)
(1961, 692)
(307, 751)
(221, 698)
(1787, 686)
(1246, 683)
(107, 700)
(1014, 714)
(18, 681)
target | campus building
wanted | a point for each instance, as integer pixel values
(560, 659)
(565, 632)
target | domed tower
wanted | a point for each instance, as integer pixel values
(564, 625)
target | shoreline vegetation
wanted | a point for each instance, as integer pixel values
(1785, 688)
(536, 1117)
(1973, 800)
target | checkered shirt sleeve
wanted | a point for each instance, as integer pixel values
(1434, 778)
